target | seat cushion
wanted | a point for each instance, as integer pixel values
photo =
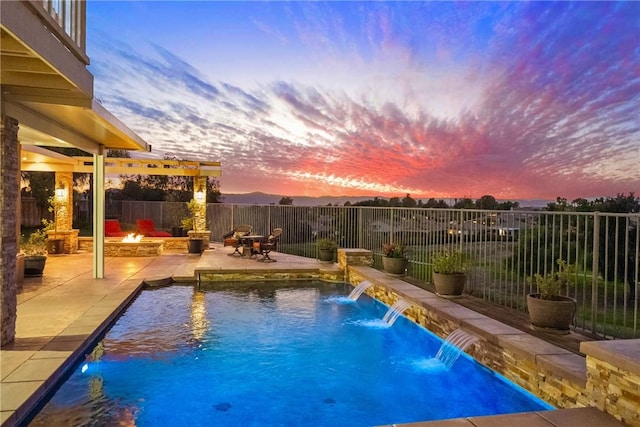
(112, 228)
(230, 242)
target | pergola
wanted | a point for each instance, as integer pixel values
(40, 159)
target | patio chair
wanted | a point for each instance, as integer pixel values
(266, 246)
(148, 229)
(112, 228)
(232, 238)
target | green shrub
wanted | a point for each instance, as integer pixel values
(449, 262)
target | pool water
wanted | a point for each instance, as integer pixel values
(271, 355)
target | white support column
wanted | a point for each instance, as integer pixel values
(98, 214)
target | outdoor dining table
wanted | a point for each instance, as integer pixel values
(247, 243)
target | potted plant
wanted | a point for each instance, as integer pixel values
(195, 243)
(326, 249)
(395, 259)
(547, 308)
(35, 251)
(449, 273)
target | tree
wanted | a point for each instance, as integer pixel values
(465, 203)
(560, 205)
(487, 202)
(41, 186)
(508, 205)
(619, 235)
(122, 154)
(408, 202)
(286, 201)
(433, 203)
(395, 201)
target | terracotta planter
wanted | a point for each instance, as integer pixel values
(326, 255)
(449, 285)
(395, 266)
(555, 315)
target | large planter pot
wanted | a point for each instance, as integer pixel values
(326, 255)
(55, 246)
(551, 314)
(194, 246)
(449, 285)
(34, 265)
(395, 266)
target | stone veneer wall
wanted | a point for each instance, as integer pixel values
(613, 377)
(330, 275)
(542, 368)
(85, 244)
(141, 249)
(70, 238)
(9, 187)
(350, 257)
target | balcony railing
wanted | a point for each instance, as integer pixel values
(67, 20)
(507, 247)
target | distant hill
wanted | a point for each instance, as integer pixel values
(259, 198)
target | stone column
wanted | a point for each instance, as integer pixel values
(63, 212)
(200, 196)
(64, 204)
(9, 189)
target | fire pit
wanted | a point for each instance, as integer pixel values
(133, 245)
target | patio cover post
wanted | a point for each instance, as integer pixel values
(98, 214)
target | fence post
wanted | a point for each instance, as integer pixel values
(595, 269)
(360, 227)
(233, 223)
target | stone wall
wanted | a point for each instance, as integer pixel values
(270, 275)
(70, 238)
(354, 257)
(144, 248)
(613, 377)
(9, 188)
(85, 244)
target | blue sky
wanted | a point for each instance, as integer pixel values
(435, 99)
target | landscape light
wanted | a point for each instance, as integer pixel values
(199, 194)
(61, 192)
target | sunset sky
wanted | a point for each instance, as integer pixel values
(437, 99)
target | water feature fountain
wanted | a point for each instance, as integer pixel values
(453, 346)
(359, 290)
(395, 311)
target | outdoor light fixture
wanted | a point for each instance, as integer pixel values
(199, 195)
(61, 192)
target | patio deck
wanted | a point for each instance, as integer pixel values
(62, 313)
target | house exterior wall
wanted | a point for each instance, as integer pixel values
(9, 188)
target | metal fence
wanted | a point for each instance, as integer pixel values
(506, 247)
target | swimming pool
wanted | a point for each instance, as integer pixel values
(271, 354)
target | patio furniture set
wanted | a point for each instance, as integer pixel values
(247, 244)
